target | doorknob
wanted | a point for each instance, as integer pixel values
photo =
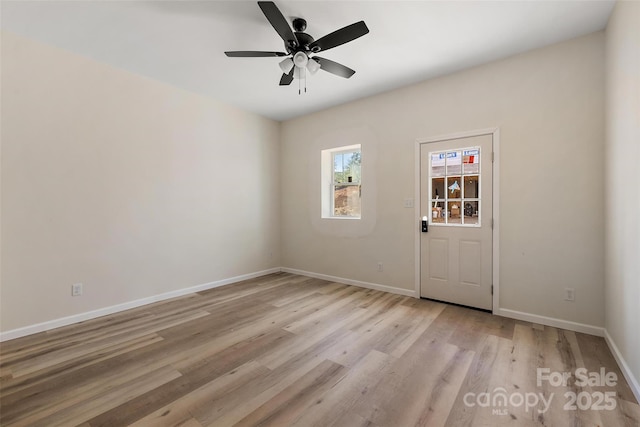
(425, 224)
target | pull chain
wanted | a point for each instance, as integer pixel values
(302, 75)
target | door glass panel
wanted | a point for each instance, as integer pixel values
(471, 187)
(455, 187)
(454, 163)
(471, 211)
(438, 212)
(437, 189)
(437, 164)
(471, 160)
(454, 212)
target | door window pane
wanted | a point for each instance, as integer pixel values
(437, 189)
(454, 212)
(438, 212)
(437, 164)
(454, 163)
(471, 211)
(454, 190)
(471, 160)
(471, 187)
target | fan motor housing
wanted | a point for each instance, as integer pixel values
(304, 40)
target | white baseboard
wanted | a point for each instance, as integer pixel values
(64, 321)
(375, 286)
(551, 321)
(626, 371)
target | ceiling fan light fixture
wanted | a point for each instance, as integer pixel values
(300, 59)
(313, 66)
(286, 65)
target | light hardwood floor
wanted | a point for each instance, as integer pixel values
(289, 350)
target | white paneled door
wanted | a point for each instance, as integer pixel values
(456, 199)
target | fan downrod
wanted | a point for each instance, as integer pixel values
(304, 39)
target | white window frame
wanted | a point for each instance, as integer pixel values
(328, 181)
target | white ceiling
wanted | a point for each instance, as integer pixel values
(182, 42)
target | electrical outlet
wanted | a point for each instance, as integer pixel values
(76, 289)
(380, 268)
(569, 294)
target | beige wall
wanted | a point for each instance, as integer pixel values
(549, 106)
(622, 194)
(125, 184)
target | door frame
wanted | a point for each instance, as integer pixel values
(495, 168)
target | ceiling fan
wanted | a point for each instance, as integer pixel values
(300, 46)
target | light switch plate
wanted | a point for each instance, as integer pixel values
(408, 203)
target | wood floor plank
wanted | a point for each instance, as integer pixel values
(84, 382)
(285, 349)
(235, 407)
(373, 337)
(596, 355)
(288, 405)
(410, 394)
(344, 303)
(625, 414)
(83, 405)
(410, 330)
(527, 357)
(180, 411)
(82, 349)
(276, 357)
(337, 402)
(192, 378)
(558, 357)
(352, 419)
(489, 368)
(71, 365)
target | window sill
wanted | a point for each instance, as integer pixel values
(342, 217)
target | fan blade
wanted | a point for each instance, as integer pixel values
(252, 54)
(341, 36)
(286, 79)
(334, 68)
(278, 21)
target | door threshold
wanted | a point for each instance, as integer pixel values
(458, 305)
